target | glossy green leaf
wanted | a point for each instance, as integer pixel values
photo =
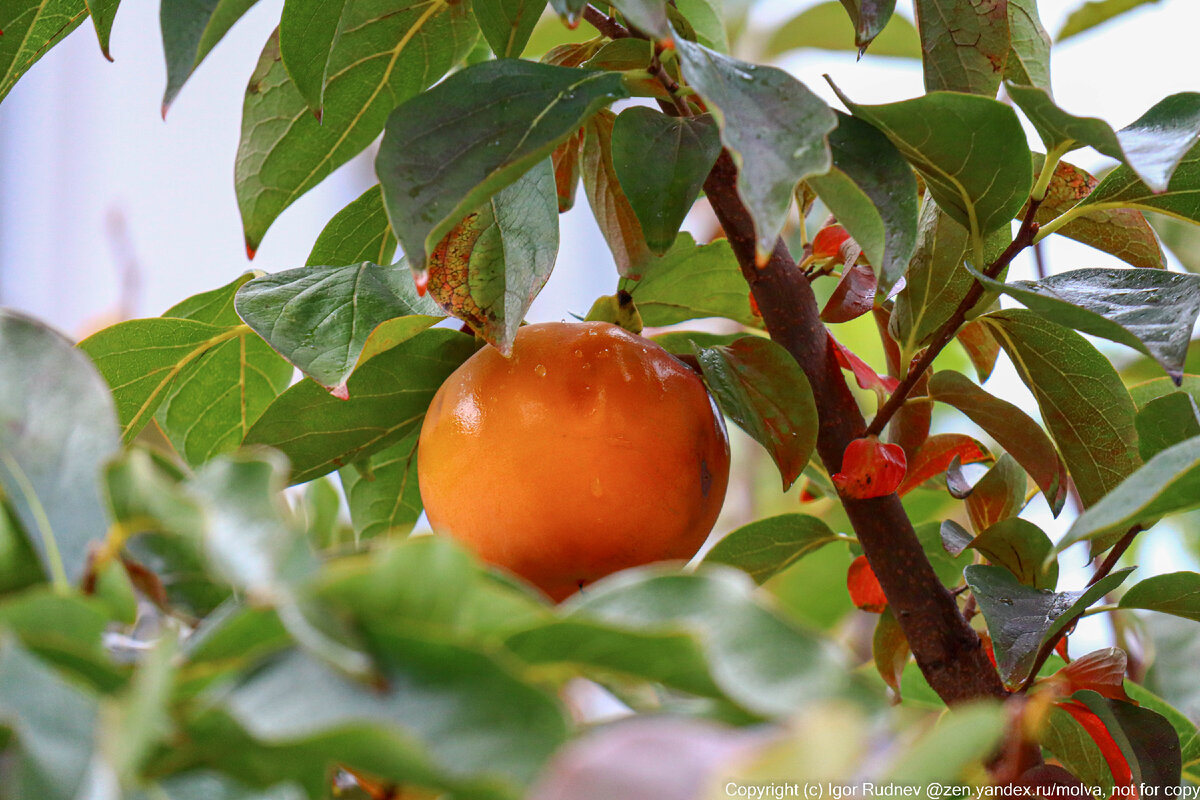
(388, 398)
(769, 546)
(1146, 739)
(772, 125)
(53, 723)
(661, 163)
(57, 428)
(448, 150)
(1166, 484)
(507, 24)
(693, 282)
(1083, 402)
(329, 320)
(307, 32)
(384, 55)
(1096, 12)
(1028, 60)
(1122, 232)
(758, 659)
(1166, 421)
(706, 19)
(103, 12)
(359, 232)
(1072, 744)
(1146, 391)
(1176, 593)
(31, 27)
(1122, 189)
(1022, 619)
(1022, 548)
(869, 18)
(1011, 427)
(1185, 729)
(1151, 147)
(760, 386)
(824, 27)
(385, 499)
(190, 30)
(1150, 310)
(614, 214)
(492, 264)
(970, 150)
(873, 194)
(965, 45)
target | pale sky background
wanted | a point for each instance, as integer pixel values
(82, 145)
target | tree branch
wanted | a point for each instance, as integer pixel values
(1023, 239)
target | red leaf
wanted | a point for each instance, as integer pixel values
(982, 348)
(828, 242)
(934, 457)
(870, 468)
(1102, 671)
(854, 295)
(1061, 649)
(985, 640)
(1122, 774)
(865, 591)
(866, 377)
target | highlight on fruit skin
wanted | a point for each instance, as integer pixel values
(588, 451)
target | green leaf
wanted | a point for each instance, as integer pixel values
(869, 18)
(1022, 619)
(308, 30)
(1150, 310)
(1166, 421)
(614, 214)
(970, 150)
(1181, 238)
(57, 428)
(1072, 744)
(1185, 729)
(359, 232)
(386, 500)
(1146, 391)
(1083, 402)
(569, 10)
(937, 280)
(1146, 740)
(997, 496)
(824, 27)
(52, 720)
(388, 398)
(772, 125)
(769, 546)
(890, 650)
(329, 320)
(507, 24)
(492, 264)
(648, 16)
(103, 12)
(758, 659)
(1176, 593)
(1096, 12)
(1122, 232)
(1166, 484)
(31, 27)
(1151, 147)
(953, 749)
(693, 282)
(873, 194)
(1122, 189)
(661, 163)
(706, 19)
(206, 785)
(19, 566)
(190, 30)
(65, 631)
(1011, 427)
(965, 45)
(448, 150)
(760, 386)
(1029, 56)
(385, 54)
(1022, 548)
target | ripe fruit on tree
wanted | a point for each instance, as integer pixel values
(588, 451)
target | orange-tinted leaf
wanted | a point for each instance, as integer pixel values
(854, 295)
(865, 591)
(1061, 649)
(1122, 774)
(1102, 671)
(870, 468)
(828, 242)
(934, 457)
(998, 495)
(567, 162)
(985, 641)
(889, 649)
(610, 207)
(866, 377)
(982, 348)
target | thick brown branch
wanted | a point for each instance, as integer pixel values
(945, 646)
(944, 334)
(604, 23)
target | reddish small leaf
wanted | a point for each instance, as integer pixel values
(865, 591)
(998, 495)
(828, 242)
(985, 641)
(1102, 671)
(854, 295)
(1061, 649)
(614, 215)
(866, 377)
(870, 468)
(1117, 765)
(982, 348)
(566, 159)
(934, 457)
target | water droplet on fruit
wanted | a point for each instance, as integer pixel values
(597, 489)
(579, 354)
(540, 370)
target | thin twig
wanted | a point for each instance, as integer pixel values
(1023, 239)
(615, 30)
(604, 23)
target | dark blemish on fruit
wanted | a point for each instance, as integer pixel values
(705, 478)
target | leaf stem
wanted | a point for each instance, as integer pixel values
(1100, 610)
(1025, 237)
(615, 30)
(1048, 167)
